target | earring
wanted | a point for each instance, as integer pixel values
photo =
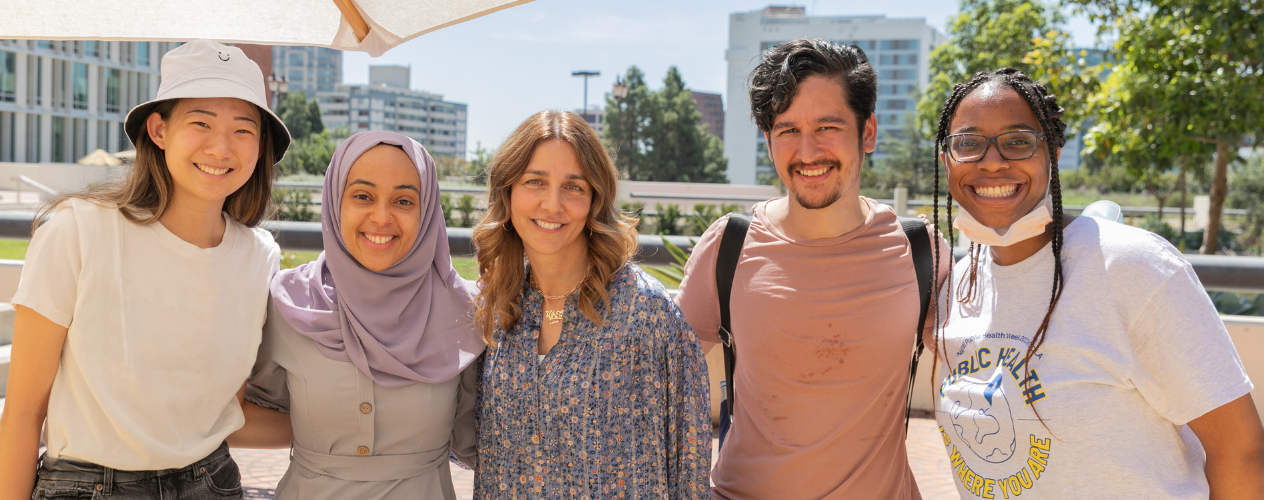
(505, 226)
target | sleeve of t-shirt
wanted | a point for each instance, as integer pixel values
(1186, 363)
(267, 386)
(697, 297)
(50, 275)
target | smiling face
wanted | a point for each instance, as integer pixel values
(211, 146)
(818, 146)
(549, 203)
(996, 191)
(380, 208)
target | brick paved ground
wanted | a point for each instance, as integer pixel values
(261, 469)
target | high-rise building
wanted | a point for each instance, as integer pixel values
(310, 69)
(387, 103)
(899, 50)
(60, 100)
(711, 107)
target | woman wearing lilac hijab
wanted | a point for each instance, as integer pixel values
(371, 348)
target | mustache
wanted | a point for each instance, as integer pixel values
(796, 165)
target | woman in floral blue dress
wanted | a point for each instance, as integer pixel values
(593, 385)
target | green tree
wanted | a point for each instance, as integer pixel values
(681, 150)
(478, 166)
(1185, 71)
(656, 135)
(300, 115)
(909, 162)
(466, 206)
(627, 123)
(1247, 192)
(311, 154)
(294, 204)
(1027, 35)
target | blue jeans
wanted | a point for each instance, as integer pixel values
(213, 477)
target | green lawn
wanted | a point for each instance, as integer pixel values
(13, 249)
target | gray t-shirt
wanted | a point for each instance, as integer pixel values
(1134, 351)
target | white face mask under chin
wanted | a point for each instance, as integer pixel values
(1029, 226)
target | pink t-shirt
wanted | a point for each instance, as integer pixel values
(824, 331)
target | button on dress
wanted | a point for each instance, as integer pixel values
(354, 438)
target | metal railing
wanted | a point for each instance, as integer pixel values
(1217, 272)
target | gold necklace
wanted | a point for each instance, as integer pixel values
(554, 316)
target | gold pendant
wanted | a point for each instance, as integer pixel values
(554, 317)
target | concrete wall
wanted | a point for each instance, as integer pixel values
(62, 177)
(686, 194)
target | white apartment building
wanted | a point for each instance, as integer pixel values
(898, 49)
(310, 69)
(387, 103)
(60, 100)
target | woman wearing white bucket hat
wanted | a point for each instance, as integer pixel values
(140, 307)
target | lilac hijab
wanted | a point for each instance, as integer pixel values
(412, 322)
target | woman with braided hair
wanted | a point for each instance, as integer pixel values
(1075, 357)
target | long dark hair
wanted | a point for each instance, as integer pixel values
(145, 194)
(1049, 114)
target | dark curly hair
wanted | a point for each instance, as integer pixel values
(1048, 114)
(774, 83)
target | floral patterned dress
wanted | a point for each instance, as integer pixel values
(617, 411)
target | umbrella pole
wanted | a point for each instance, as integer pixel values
(353, 17)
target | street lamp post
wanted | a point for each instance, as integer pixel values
(278, 86)
(586, 74)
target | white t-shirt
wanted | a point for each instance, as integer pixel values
(1134, 351)
(161, 335)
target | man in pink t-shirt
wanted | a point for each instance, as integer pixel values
(825, 301)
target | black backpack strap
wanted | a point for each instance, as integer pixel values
(725, 267)
(923, 261)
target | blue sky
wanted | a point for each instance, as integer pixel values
(510, 64)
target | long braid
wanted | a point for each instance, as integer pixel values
(1049, 114)
(959, 91)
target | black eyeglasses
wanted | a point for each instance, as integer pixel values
(1013, 146)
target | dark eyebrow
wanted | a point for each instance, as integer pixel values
(1012, 126)
(362, 181)
(408, 186)
(542, 173)
(824, 119)
(213, 115)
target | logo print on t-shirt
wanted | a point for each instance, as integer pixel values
(981, 417)
(976, 415)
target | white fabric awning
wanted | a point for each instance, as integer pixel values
(372, 26)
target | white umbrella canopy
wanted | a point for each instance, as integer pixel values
(372, 26)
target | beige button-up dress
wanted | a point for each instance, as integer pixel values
(354, 438)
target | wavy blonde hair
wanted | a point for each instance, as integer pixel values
(611, 233)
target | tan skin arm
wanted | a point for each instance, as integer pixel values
(37, 345)
(265, 427)
(1234, 441)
